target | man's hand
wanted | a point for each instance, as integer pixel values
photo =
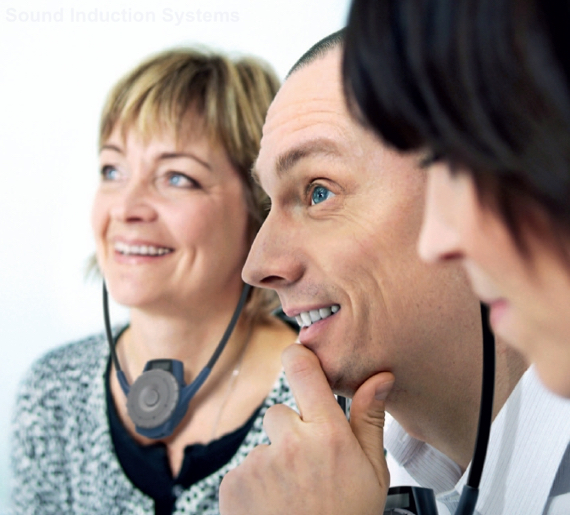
(317, 463)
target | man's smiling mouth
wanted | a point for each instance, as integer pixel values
(307, 318)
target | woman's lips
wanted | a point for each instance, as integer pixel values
(140, 249)
(497, 310)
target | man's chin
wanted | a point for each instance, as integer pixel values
(346, 384)
(340, 377)
(343, 386)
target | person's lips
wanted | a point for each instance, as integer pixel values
(140, 249)
(311, 316)
(497, 310)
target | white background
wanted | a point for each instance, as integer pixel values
(54, 76)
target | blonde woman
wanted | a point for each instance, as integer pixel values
(173, 219)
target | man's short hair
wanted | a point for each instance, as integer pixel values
(318, 50)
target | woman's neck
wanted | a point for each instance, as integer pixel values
(224, 402)
(189, 340)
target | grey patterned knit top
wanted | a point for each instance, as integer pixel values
(63, 460)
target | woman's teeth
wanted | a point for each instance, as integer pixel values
(140, 250)
(307, 318)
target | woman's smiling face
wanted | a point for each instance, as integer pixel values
(170, 222)
(529, 297)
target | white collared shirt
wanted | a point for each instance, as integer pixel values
(527, 470)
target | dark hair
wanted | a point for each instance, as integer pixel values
(483, 84)
(318, 50)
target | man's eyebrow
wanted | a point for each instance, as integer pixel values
(292, 156)
(164, 155)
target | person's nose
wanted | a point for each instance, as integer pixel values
(134, 203)
(439, 238)
(275, 258)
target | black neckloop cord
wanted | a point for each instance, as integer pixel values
(152, 417)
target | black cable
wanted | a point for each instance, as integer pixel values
(108, 328)
(230, 328)
(487, 398)
(470, 492)
(219, 348)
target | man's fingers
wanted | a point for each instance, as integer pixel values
(367, 421)
(235, 489)
(309, 385)
(317, 403)
(279, 419)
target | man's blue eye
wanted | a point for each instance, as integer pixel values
(320, 194)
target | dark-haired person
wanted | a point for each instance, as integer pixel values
(174, 217)
(483, 88)
(341, 237)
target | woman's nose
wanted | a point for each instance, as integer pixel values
(439, 238)
(437, 242)
(134, 204)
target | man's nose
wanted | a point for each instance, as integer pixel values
(275, 258)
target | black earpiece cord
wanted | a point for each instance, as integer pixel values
(108, 328)
(219, 348)
(470, 492)
(230, 328)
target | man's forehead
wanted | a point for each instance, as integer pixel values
(289, 157)
(308, 117)
(320, 79)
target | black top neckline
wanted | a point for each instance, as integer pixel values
(147, 466)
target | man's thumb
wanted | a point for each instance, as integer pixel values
(367, 421)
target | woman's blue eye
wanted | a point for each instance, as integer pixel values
(176, 180)
(109, 173)
(180, 180)
(320, 194)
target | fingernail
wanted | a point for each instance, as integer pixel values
(382, 391)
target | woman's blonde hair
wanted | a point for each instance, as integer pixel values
(174, 90)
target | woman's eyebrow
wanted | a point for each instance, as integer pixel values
(164, 155)
(175, 155)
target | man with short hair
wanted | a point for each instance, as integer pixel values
(378, 324)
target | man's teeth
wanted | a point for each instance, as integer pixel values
(140, 250)
(306, 318)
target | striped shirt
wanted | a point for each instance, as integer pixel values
(527, 470)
